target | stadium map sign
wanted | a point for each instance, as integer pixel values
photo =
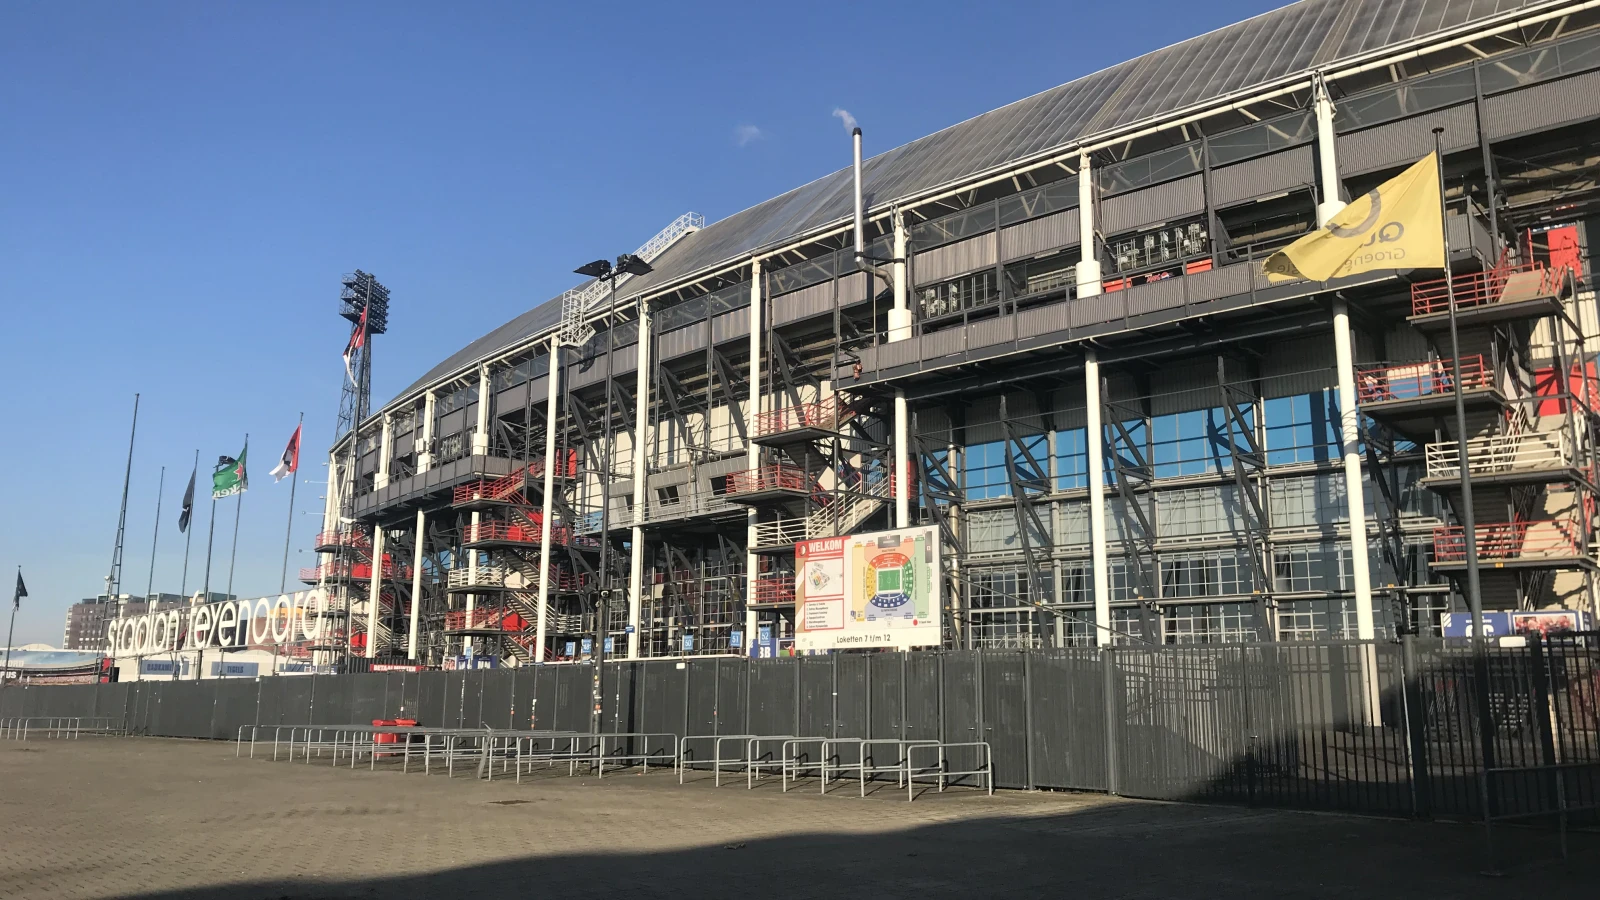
(868, 590)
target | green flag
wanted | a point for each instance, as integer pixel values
(230, 477)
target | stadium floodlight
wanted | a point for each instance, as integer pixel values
(633, 265)
(600, 268)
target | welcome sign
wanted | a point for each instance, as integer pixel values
(236, 623)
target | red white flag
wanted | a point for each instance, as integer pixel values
(289, 463)
(358, 339)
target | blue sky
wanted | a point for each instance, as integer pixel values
(186, 182)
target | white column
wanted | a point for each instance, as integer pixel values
(1094, 442)
(381, 479)
(416, 584)
(641, 474)
(1328, 185)
(552, 380)
(480, 434)
(425, 443)
(472, 575)
(752, 453)
(1349, 440)
(1088, 267)
(375, 591)
(900, 330)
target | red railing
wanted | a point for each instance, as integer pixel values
(344, 538)
(778, 477)
(486, 619)
(1508, 540)
(517, 534)
(1478, 288)
(361, 571)
(508, 486)
(824, 414)
(774, 589)
(1408, 381)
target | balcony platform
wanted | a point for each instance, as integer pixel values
(1491, 297)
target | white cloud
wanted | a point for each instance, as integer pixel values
(745, 134)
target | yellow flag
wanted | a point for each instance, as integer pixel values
(1396, 226)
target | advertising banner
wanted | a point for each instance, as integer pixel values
(868, 590)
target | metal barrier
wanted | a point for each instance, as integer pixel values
(900, 763)
(18, 728)
(792, 766)
(1558, 773)
(941, 770)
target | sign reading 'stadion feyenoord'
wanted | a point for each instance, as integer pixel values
(868, 590)
(236, 623)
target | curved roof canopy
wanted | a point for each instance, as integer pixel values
(1296, 39)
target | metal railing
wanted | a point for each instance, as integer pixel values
(1410, 380)
(774, 477)
(1481, 288)
(779, 533)
(1498, 454)
(360, 571)
(486, 576)
(344, 537)
(1549, 539)
(824, 414)
(773, 590)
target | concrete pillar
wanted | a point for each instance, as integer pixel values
(900, 330)
(472, 575)
(1094, 442)
(541, 618)
(1088, 268)
(753, 452)
(1328, 185)
(425, 442)
(641, 475)
(416, 583)
(480, 433)
(1349, 448)
(375, 590)
(381, 479)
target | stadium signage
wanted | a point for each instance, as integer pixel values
(264, 621)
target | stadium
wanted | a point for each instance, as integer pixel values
(642, 456)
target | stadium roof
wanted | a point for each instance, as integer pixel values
(1282, 43)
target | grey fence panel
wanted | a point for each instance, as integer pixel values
(666, 687)
(234, 707)
(112, 700)
(574, 692)
(331, 700)
(853, 701)
(922, 690)
(772, 695)
(296, 699)
(139, 708)
(733, 684)
(369, 695)
(703, 696)
(815, 715)
(394, 695)
(1069, 719)
(184, 709)
(1180, 721)
(472, 682)
(524, 690)
(12, 697)
(885, 694)
(547, 689)
(960, 706)
(495, 709)
(430, 699)
(406, 698)
(621, 708)
(1005, 715)
(450, 714)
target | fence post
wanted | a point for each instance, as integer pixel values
(1108, 668)
(1416, 719)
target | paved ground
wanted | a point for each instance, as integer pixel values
(145, 817)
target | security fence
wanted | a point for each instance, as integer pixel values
(1405, 729)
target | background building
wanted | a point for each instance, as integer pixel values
(1067, 361)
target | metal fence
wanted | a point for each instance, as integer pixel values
(1406, 729)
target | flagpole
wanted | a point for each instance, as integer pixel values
(188, 536)
(205, 591)
(16, 603)
(288, 532)
(238, 506)
(150, 581)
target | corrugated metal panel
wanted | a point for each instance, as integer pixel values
(948, 342)
(1000, 330)
(1262, 176)
(1044, 320)
(1406, 141)
(680, 341)
(510, 398)
(1155, 296)
(668, 477)
(622, 363)
(1039, 235)
(802, 304)
(450, 423)
(1276, 44)
(954, 259)
(1154, 205)
(717, 468)
(1218, 283)
(898, 353)
(1299, 365)
(1183, 386)
(1542, 106)
(853, 289)
(730, 325)
(1094, 310)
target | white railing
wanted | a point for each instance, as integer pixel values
(781, 532)
(694, 502)
(487, 576)
(1499, 454)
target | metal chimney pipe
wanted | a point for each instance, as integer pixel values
(861, 243)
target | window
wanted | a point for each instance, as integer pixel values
(1191, 443)
(1154, 249)
(1196, 511)
(1072, 459)
(986, 471)
(1210, 623)
(1303, 428)
(968, 292)
(1214, 573)
(1316, 567)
